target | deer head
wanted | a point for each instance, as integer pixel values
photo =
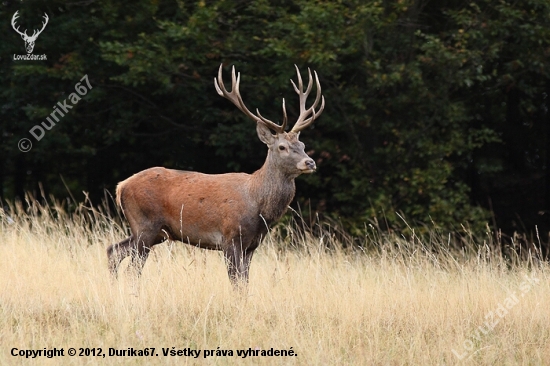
(285, 149)
(29, 40)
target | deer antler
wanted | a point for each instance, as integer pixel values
(235, 97)
(307, 116)
(303, 120)
(15, 16)
(24, 34)
(36, 33)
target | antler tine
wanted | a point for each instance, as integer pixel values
(15, 16)
(300, 89)
(303, 120)
(273, 125)
(235, 97)
(285, 119)
(310, 120)
(46, 18)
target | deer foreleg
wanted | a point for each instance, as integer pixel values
(238, 264)
(245, 265)
(233, 259)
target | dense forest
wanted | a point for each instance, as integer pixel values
(436, 111)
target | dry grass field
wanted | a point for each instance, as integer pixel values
(400, 301)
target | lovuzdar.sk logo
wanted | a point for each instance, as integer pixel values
(29, 40)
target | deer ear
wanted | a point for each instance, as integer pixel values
(264, 133)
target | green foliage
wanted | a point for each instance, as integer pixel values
(423, 101)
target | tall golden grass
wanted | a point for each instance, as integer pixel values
(391, 300)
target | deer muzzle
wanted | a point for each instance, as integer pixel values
(306, 165)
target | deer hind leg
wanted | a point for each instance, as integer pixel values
(137, 249)
(142, 248)
(117, 252)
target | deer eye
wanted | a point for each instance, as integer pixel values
(282, 147)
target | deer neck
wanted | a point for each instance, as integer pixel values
(272, 189)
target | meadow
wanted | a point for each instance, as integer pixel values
(313, 299)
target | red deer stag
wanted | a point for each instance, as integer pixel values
(229, 212)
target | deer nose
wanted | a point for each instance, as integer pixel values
(310, 164)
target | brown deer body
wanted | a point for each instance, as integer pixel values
(229, 212)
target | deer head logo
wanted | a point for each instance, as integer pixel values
(29, 41)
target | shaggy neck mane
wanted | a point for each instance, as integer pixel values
(273, 189)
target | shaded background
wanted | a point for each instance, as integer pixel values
(437, 110)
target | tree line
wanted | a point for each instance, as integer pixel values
(435, 111)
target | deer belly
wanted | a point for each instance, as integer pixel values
(206, 240)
